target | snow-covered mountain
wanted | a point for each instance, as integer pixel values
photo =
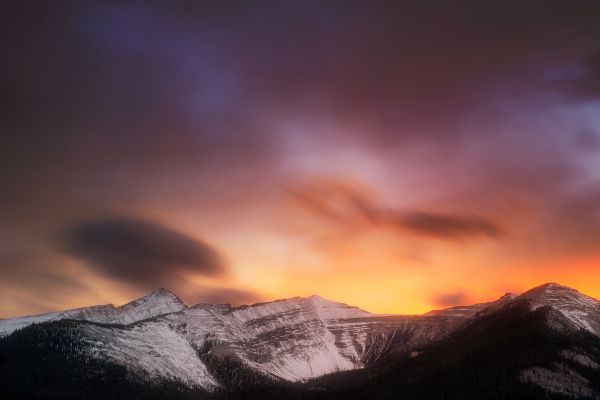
(156, 303)
(158, 336)
(293, 339)
(290, 339)
(582, 311)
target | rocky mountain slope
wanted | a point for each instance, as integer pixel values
(157, 303)
(213, 347)
(293, 339)
(539, 345)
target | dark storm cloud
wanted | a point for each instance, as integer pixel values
(140, 252)
(350, 204)
(155, 68)
(102, 90)
(450, 299)
(404, 70)
(95, 89)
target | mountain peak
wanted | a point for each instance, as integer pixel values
(158, 302)
(550, 288)
(161, 292)
(579, 309)
(329, 309)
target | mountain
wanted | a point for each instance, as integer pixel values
(471, 310)
(293, 340)
(581, 311)
(157, 303)
(542, 343)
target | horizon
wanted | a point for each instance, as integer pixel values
(235, 306)
(394, 155)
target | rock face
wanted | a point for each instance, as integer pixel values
(290, 339)
(157, 336)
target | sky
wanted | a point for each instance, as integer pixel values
(400, 156)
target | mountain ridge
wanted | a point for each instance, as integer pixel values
(166, 293)
(216, 346)
(163, 301)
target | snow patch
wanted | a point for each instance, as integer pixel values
(566, 382)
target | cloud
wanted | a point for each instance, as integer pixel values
(580, 82)
(31, 268)
(449, 299)
(588, 86)
(220, 295)
(353, 205)
(337, 200)
(448, 226)
(148, 105)
(139, 252)
(25, 272)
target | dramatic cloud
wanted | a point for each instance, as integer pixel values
(140, 252)
(467, 121)
(351, 204)
(448, 226)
